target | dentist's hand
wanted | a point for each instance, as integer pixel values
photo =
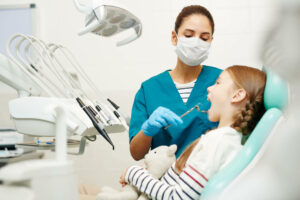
(160, 118)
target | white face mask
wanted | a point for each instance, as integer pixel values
(192, 51)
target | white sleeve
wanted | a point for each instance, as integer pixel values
(212, 154)
(228, 151)
(203, 157)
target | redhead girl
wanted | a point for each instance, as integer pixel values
(237, 104)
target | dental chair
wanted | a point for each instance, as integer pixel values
(275, 100)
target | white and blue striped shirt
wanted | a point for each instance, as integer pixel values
(213, 152)
(185, 89)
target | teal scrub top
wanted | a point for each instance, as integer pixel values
(160, 90)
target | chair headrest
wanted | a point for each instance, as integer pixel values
(276, 91)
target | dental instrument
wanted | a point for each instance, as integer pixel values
(119, 114)
(108, 20)
(78, 92)
(107, 117)
(187, 112)
(95, 122)
(102, 116)
(37, 66)
(115, 114)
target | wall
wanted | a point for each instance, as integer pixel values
(118, 71)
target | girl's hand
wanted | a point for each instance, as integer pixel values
(122, 178)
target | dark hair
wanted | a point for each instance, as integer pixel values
(190, 10)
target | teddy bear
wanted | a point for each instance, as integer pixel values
(154, 165)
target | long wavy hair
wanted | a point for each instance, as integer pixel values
(253, 82)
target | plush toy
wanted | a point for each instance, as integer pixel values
(157, 162)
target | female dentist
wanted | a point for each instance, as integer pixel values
(163, 98)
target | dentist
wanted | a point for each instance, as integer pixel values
(163, 98)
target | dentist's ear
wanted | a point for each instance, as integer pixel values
(238, 96)
(174, 38)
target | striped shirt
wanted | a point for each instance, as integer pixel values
(185, 90)
(213, 152)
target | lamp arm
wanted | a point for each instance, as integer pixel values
(82, 8)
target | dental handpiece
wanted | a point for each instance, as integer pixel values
(187, 112)
(102, 115)
(117, 114)
(95, 122)
(98, 115)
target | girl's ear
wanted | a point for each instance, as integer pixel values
(238, 96)
(174, 38)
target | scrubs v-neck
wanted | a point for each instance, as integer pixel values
(160, 90)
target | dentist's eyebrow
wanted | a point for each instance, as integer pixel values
(205, 33)
(191, 30)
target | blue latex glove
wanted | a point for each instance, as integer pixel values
(161, 117)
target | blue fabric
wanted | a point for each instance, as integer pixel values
(160, 90)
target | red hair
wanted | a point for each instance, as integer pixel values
(253, 82)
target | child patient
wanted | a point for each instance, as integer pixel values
(237, 103)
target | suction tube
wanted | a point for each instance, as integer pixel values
(97, 125)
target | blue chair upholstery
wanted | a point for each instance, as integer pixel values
(275, 99)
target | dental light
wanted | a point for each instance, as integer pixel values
(108, 20)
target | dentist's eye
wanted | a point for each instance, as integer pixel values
(188, 36)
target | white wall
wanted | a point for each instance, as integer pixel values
(240, 28)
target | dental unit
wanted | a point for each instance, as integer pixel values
(52, 103)
(45, 179)
(43, 86)
(112, 108)
(44, 70)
